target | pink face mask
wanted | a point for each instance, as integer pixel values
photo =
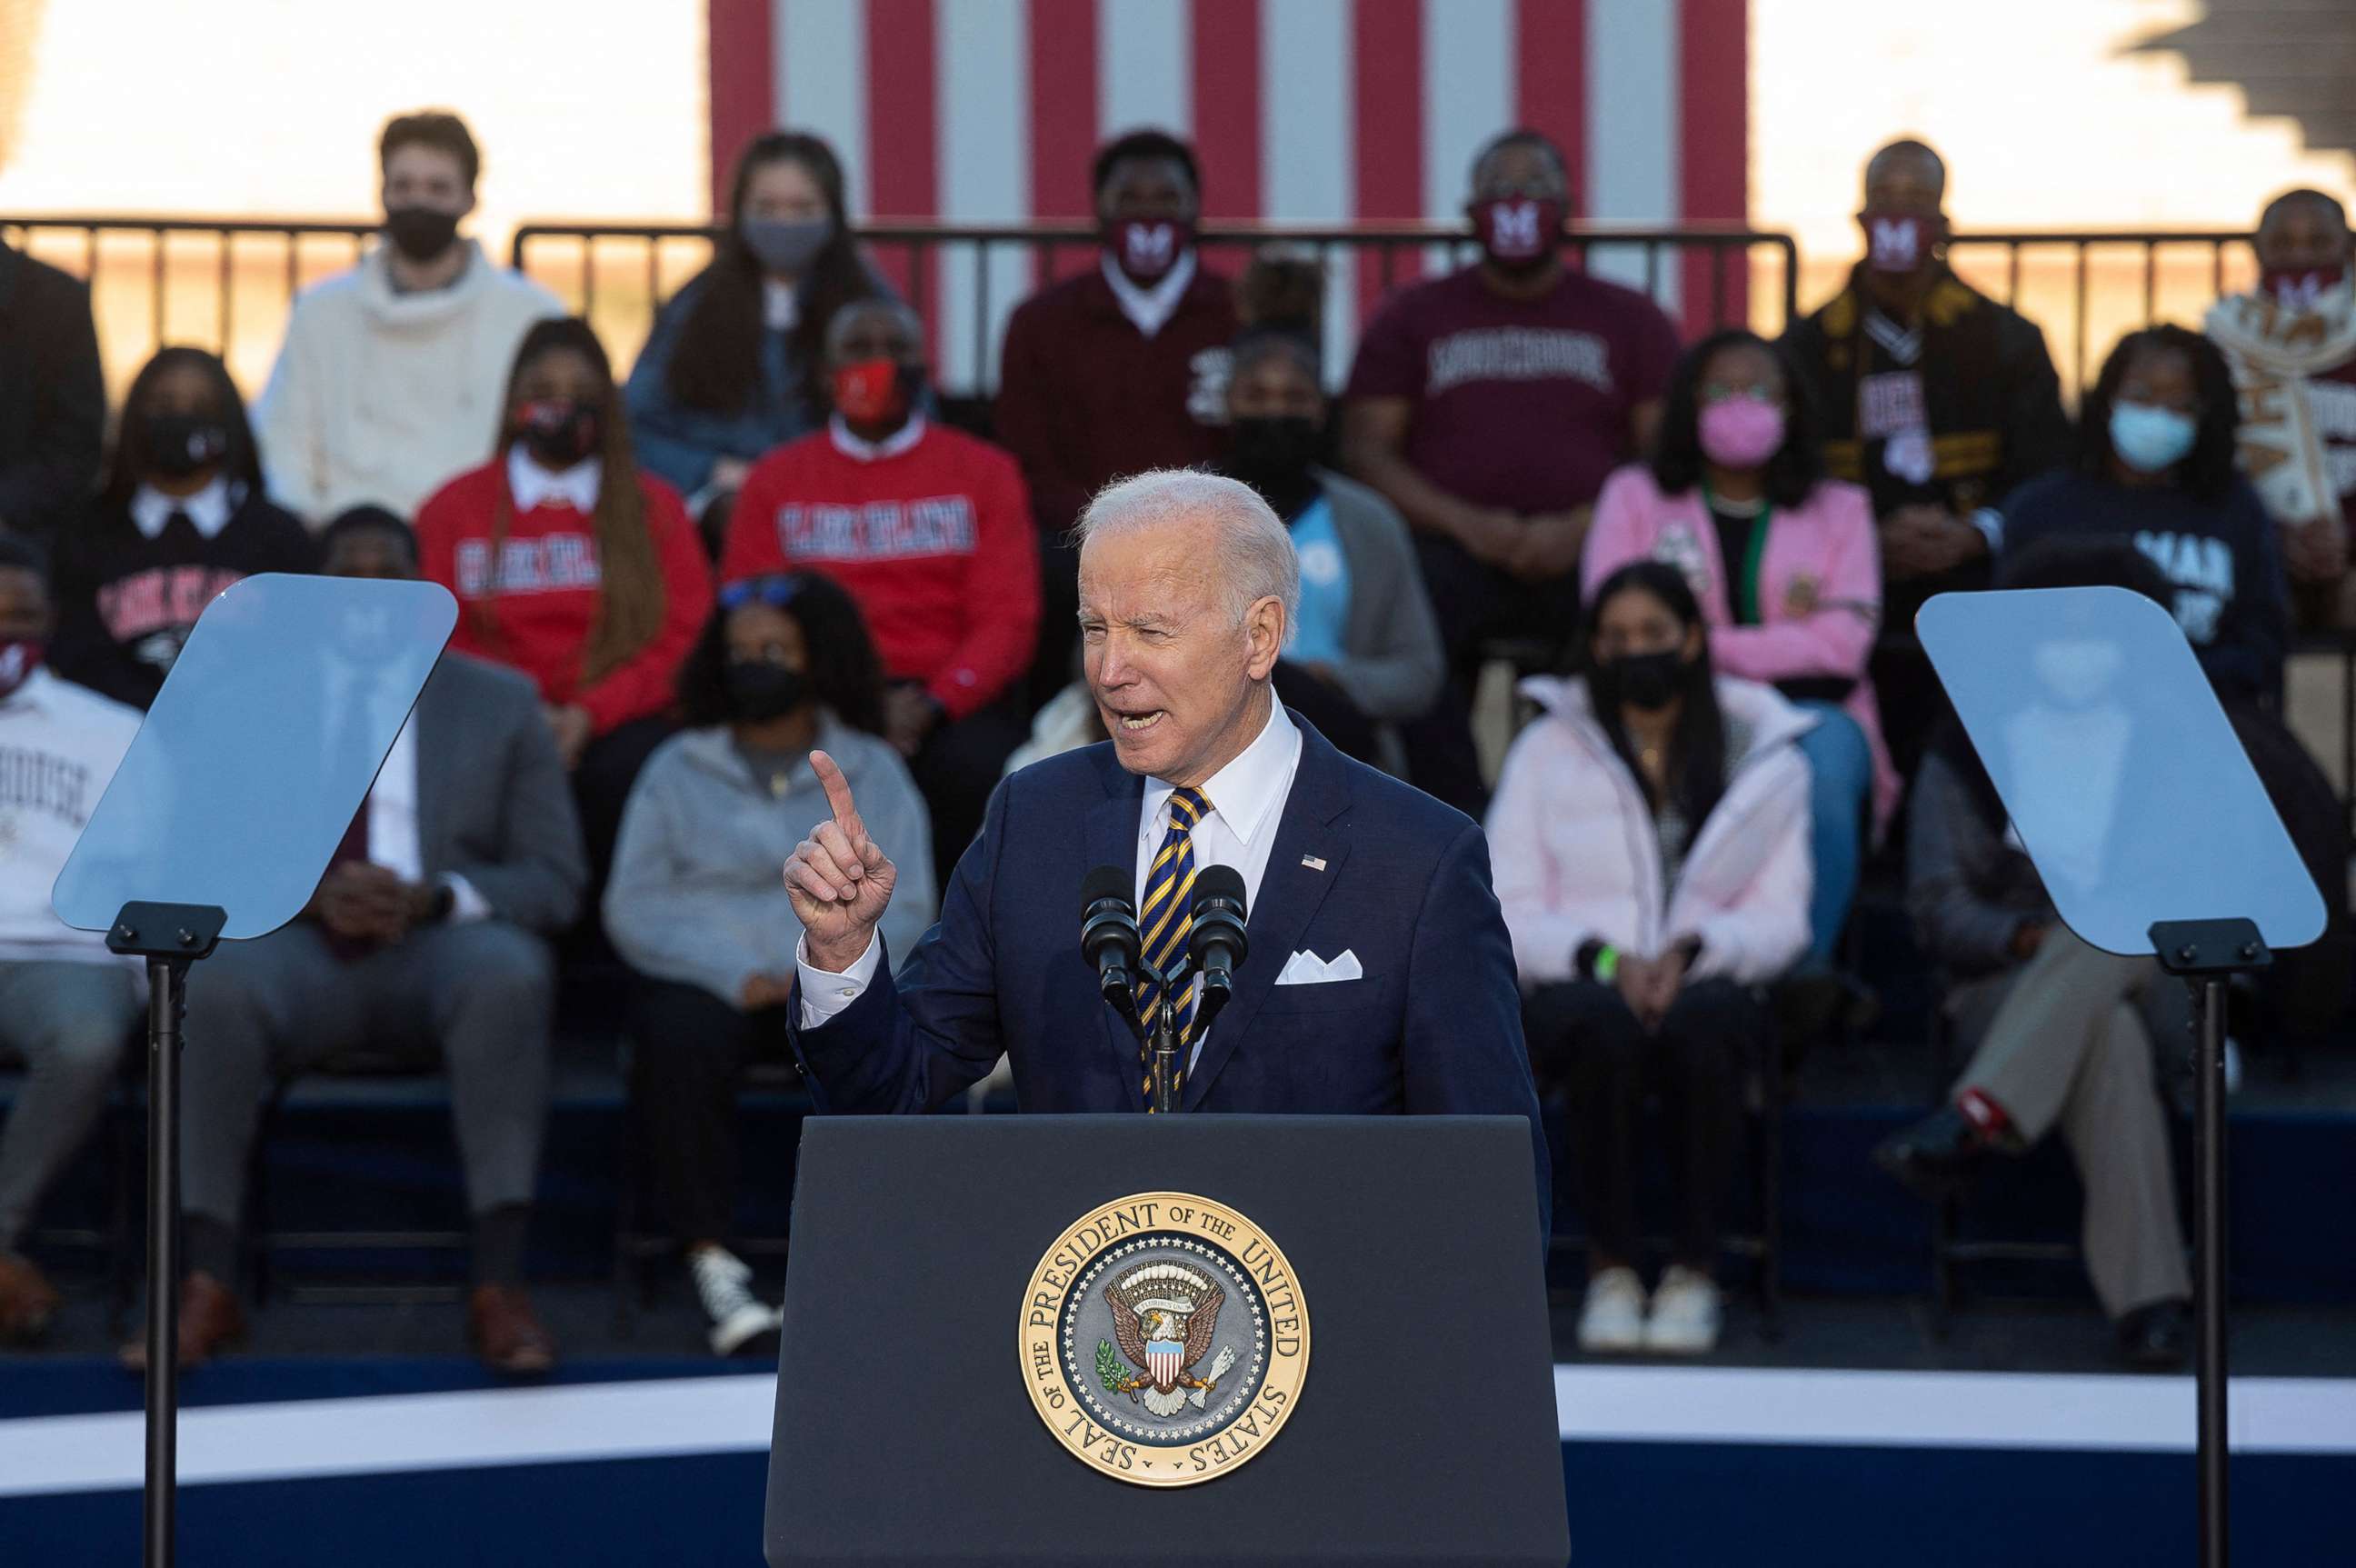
(1741, 432)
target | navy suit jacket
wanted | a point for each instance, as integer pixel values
(1434, 1026)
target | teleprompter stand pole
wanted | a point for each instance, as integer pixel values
(2207, 954)
(170, 937)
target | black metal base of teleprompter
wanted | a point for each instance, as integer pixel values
(2207, 954)
(170, 937)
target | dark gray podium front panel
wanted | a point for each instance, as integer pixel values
(1425, 1431)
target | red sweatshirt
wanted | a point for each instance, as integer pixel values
(1085, 398)
(538, 616)
(933, 539)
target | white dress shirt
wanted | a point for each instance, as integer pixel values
(532, 485)
(1149, 310)
(210, 508)
(900, 440)
(1247, 802)
(395, 840)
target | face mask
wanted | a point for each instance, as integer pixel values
(558, 432)
(1279, 450)
(874, 392)
(2300, 288)
(2150, 440)
(179, 444)
(420, 234)
(1741, 432)
(1897, 243)
(760, 691)
(1646, 681)
(787, 245)
(1518, 232)
(1147, 249)
(19, 657)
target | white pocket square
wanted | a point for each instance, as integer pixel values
(1305, 967)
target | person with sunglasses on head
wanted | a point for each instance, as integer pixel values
(388, 378)
(575, 567)
(182, 516)
(929, 530)
(698, 910)
(736, 363)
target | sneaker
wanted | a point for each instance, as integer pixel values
(723, 1283)
(1613, 1318)
(1685, 1314)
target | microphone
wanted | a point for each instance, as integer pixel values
(1109, 934)
(1217, 941)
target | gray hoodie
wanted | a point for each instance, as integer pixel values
(697, 894)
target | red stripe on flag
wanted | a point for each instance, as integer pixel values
(1063, 115)
(1551, 81)
(741, 59)
(1386, 123)
(1226, 106)
(902, 142)
(1713, 155)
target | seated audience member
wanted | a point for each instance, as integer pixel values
(390, 375)
(697, 907)
(1650, 834)
(736, 363)
(2156, 469)
(65, 1004)
(1939, 401)
(929, 529)
(2062, 1035)
(1364, 652)
(182, 517)
(1118, 370)
(2292, 344)
(428, 936)
(52, 394)
(1784, 563)
(1489, 406)
(574, 567)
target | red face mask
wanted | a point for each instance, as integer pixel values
(1518, 231)
(1147, 249)
(871, 391)
(19, 657)
(2300, 288)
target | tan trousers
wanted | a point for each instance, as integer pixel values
(2068, 1041)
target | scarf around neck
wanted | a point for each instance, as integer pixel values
(2274, 353)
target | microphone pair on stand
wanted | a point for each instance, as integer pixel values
(1114, 947)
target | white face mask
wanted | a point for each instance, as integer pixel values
(2076, 671)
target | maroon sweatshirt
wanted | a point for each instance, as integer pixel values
(1083, 397)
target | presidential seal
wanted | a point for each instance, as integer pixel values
(1164, 1339)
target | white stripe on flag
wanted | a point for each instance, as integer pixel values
(1306, 145)
(1468, 97)
(1632, 131)
(983, 84)
(1144, 66)
(821, 75)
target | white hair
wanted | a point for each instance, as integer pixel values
(1255, 559)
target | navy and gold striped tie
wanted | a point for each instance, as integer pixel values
(1167, 915)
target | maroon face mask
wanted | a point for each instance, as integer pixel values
(19, 657)
(1897, 241)
(1518, 232)
(2300, 288)
(1147, 249)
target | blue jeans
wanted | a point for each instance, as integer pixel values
(1840, 766)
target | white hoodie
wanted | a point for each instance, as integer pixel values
(381, 396)
(60, 746)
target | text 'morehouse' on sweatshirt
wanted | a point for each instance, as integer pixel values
(535, 609)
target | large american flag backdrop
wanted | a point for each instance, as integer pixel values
(1313, 112)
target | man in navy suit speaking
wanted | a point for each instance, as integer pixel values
(1379, 979)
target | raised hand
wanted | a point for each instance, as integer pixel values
(839, 882)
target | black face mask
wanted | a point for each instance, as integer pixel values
(761, 691)
(179, 444)
(558, 432)
(420, 234)
(1646, 681)
(1273, 456)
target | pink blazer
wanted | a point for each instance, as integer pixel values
(1819, 588)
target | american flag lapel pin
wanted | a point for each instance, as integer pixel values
(1313, 863)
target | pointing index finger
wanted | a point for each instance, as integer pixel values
(838, 795)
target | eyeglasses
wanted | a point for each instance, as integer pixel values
(777, 590)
